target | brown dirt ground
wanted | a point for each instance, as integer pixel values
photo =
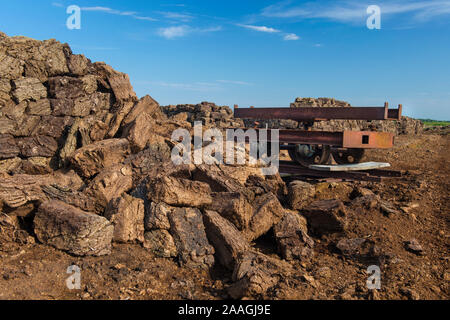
(35, 271)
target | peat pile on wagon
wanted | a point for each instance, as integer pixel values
(405, 126)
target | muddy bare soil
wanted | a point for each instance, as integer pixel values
(420, 202)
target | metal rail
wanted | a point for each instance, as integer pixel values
(310, 114)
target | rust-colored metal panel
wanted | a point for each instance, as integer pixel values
(304, 137)
(367, 140)
(311, 137)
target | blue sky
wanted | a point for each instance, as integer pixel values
(259, 52)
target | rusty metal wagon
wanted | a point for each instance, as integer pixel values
(307, 147)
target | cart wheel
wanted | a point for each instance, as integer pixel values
(306, 155)
(349, 156)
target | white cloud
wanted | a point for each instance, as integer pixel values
(195, 86)
(355, 11)
(341, 12)
(291, 37)
(211, 29)
(241, 83)
(173, 5)
(181, 31)
(286, 36)
(259, 28)
(144, 18)
(280, 11)
(108, 10)
(184, 17)
(94, 48)
(118, 12)
(218, 85)
(174, 32)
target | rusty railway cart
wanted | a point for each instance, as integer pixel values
(316, 147)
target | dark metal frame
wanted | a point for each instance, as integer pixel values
(346, 139)
(311, 114)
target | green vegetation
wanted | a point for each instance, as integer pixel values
(435, 123)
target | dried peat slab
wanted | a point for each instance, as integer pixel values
(226, 239)
(73, 230)
(93, 158)
(179, 192)
(326, 216)
(291, 234)
(127, 215)
(188, 231)
(255, 274)
(8, 147)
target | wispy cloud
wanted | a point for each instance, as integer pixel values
(145, 18)
(173, 5)
(344, 12)
(211, 29)
(291, 37)
(240, 83)
(286, 36)
(108, 10)
(194, 86)
(93, 48)
(355, 11)
(183, 30)
(218, 85)
(174, 32)
(259, 28)
(184, 17)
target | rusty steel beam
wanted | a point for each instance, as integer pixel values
(307, 137)
(346, 139)
(318, 114)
